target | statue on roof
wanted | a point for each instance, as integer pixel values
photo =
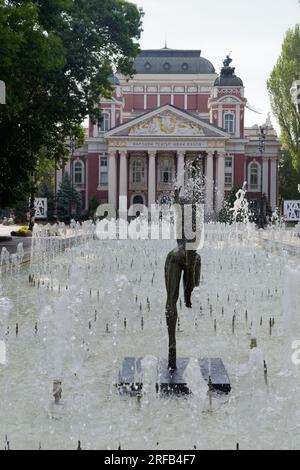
(227, 70)
(227, 61)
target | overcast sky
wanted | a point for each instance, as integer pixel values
(252, 29)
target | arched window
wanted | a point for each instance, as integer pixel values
(254, 176)
(229, 123)
(166, 171)
(138, 171)
(79, 172)
(138, 200)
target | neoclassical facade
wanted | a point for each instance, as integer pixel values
(175, 109)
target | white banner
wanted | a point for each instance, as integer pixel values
(41, 208)
(292, 211)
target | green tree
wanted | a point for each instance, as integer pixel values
(93, 206)
(57, 57)
(285, 72)
(68, 201)
(289, 178)
(225, 214)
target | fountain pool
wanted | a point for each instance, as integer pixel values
(87, 308)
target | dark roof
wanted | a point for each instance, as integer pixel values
(230, 80)
(171, 61)
(227, 76)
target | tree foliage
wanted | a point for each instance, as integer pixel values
(289, 178)
(285, 72)
(225, 214)
(68, 201)
(56, 60)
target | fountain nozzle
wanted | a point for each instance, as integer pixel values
(57, 391)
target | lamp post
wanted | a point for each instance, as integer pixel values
(32, 205)
(72, 145)
(262, 148)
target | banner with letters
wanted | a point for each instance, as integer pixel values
(41, 208)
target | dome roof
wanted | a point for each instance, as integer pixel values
(171, 61)
(228, 80)
(228, 76)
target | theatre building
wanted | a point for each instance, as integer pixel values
(175, 109)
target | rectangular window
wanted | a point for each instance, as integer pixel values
(138, 171)
(166, 171)
(104, 126)
(229, 123)
(228, 172)
(104, 171)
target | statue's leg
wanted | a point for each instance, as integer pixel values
(188, 275)
(191, 277)
(173, 275)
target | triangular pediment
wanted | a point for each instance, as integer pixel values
(167, 121)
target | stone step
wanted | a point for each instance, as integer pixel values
(131, 376)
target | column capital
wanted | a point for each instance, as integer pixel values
(152, 153)
(111, 153)
(222, 154)
(210, 154)
(123, 153)
(180, 153)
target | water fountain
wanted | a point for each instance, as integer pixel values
(59, 367)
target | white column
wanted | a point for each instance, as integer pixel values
(238, 121)
(95, 132)
(265, 170)
(180, 167)
(209, 200)
(123, 173)
(112, 178)
(152, 178)
(273, 183)
(220, 180)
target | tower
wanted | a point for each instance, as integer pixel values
(227, 102)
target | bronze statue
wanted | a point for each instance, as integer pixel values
(179, 260)
(227, 61)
